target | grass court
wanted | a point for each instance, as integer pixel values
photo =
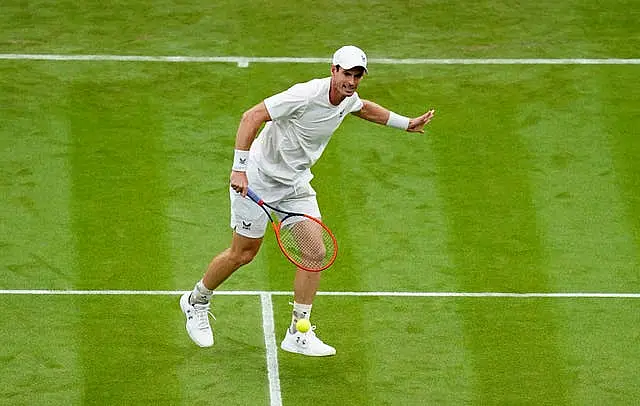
(114, 179)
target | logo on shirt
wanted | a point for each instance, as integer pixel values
(341, 113)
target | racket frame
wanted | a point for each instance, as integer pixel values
(277, 225)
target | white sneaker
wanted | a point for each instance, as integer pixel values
(197, 321)
(306, 344)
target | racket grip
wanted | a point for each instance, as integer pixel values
(253, 196)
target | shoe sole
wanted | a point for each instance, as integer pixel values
(184, 306)
(296, 350)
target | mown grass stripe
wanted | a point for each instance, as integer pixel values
(118, 183)
(494, 243)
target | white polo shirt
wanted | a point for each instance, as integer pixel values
(303, 121)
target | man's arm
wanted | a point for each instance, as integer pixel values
(375, 113)
(250, 123)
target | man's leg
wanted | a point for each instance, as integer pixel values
(195, 304)
(306, 285)
(241, 252)
(249, 223)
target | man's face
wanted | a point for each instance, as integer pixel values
(345, 82)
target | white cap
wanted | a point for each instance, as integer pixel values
(349, 57)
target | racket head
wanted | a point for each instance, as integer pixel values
(307, 242)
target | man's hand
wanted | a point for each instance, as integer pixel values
(239, 182)
(416, 125)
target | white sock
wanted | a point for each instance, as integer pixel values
(300, 311)
(200, 294)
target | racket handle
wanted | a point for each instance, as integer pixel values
(253, 196)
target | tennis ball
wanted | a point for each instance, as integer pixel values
(303, 325)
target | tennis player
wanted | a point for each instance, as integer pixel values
(299, 123)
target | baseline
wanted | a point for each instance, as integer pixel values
(244, 61)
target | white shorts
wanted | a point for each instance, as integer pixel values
(249, 220)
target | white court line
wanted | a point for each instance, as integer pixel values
(288, 293)
(269, 330)
(244, 61)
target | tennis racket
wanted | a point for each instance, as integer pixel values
(303, 239)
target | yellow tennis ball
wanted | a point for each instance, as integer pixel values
(303, 325)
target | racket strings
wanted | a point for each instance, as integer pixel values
(308, 244)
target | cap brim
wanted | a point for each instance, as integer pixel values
(355, 66)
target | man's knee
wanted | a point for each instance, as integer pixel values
(245, 256)
(315, 253)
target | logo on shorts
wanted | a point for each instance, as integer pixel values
(246, 226)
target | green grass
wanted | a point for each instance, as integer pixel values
(313, 28)
(114, 176)
(99, 350)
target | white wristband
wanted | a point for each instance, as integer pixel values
(240, 160)
(398, 121)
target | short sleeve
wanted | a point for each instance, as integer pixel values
(288, 103)
(356, 103)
